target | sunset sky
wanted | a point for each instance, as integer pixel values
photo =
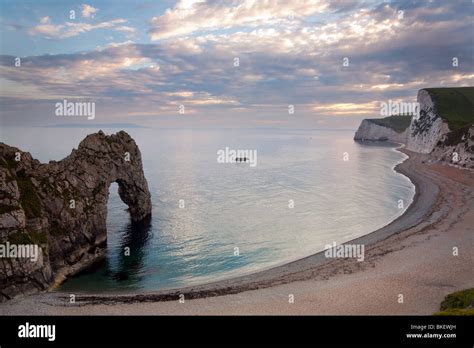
(140, 60)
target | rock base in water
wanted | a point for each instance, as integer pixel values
(62, 208)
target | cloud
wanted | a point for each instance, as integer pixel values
(189, 16)
(46, 28)
(281, 61)
(347, 109)
(88, 11)
(70, 29)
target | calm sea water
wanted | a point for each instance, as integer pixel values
(229, 206)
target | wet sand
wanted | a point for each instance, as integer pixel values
(412, 257)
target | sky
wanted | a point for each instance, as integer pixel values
(213, 64)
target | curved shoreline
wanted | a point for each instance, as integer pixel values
(426, 195)
(415, 261)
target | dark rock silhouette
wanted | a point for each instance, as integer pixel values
(62, 207)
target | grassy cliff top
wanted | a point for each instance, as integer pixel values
(397, 123)
(454, 104)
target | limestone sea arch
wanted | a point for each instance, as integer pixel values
(61, 206)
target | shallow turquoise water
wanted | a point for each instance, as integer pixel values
(229, 206)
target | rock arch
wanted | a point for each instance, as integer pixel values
(62, 207)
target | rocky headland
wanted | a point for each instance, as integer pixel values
(61, 206)
(392, 128)
(444, 128)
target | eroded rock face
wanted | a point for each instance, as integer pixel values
(428, 129)
(62, 207)
(431, 134)
(373, 132)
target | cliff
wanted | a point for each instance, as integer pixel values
(62, 208)
(393, 128)
(445, 128)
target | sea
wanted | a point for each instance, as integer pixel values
(214, 219)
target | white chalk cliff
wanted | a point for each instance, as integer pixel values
(430, 133)
(428, 129)
(370, 131)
